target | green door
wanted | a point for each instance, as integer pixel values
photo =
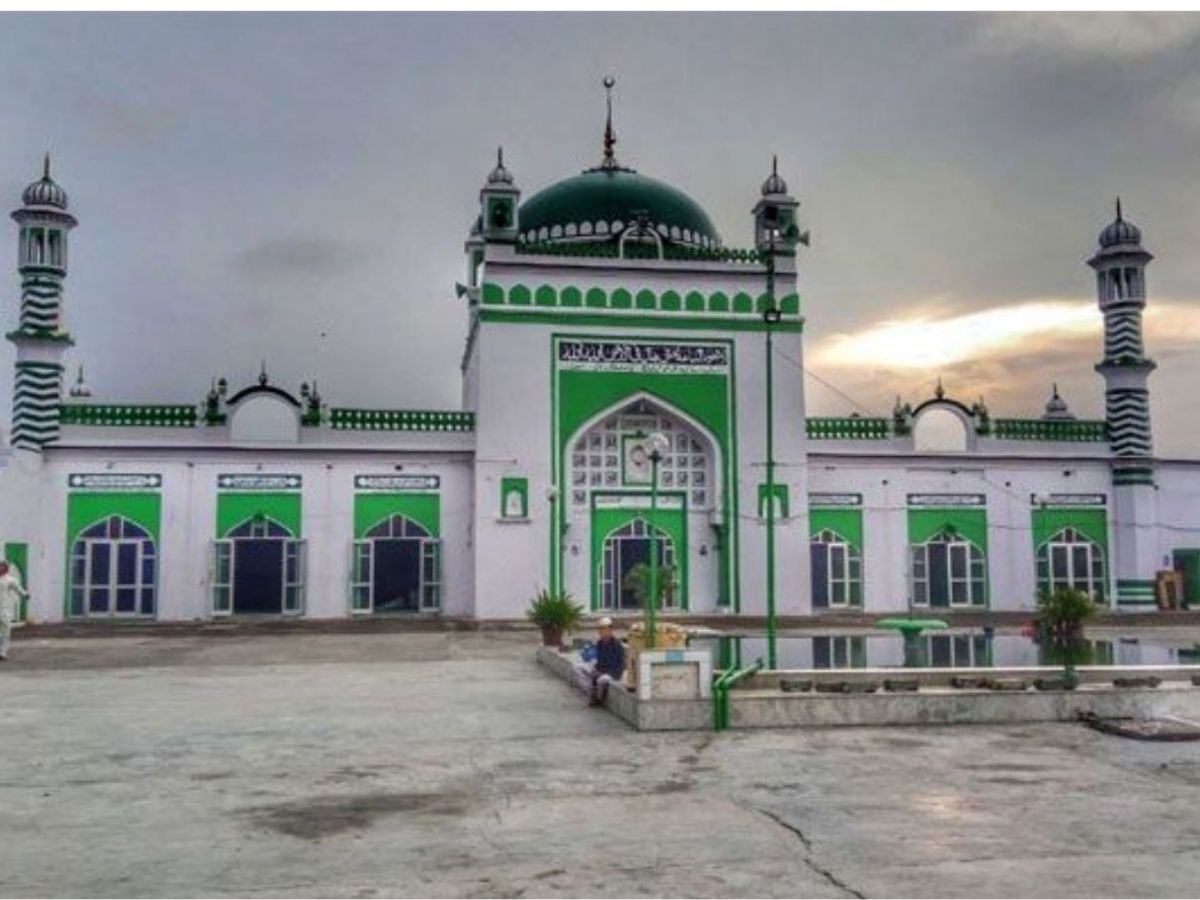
(1188, 562)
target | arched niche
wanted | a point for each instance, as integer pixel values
(942, 428)
(265, 416)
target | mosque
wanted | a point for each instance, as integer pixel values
(631, 384)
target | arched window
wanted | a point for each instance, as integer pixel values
(1069, 559)
(948, 570)
(396, 567)
(601, 458)
(258, 568)
(624, 550)
(836, 571)
(114, 569)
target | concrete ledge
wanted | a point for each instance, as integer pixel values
(643, 715)
(947, 706)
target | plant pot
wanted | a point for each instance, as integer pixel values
(551, 636)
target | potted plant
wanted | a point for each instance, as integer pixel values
(1061, 615)
(555, 612)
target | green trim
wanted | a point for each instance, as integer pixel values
(342, 418)
(1187, 560)
(1091, 523)
(618, 320)
(46, 335)
(1074, 430)
(781, 495)
(971, 523)
(709, 399)
(621, 298)
(86, 508)
(521, 487)
(846, 522)
(847, 428)
(234, 508)
(371, 508)
(671, 521)
(1133, 476)
(114, 416)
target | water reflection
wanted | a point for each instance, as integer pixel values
(946, 650)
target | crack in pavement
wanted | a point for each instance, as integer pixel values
(811, 863)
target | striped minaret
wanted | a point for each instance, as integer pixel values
(40, 337)
(1120, 265)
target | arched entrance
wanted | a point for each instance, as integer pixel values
(258, 568)
(397, 567)
(628, 551)
(1071, 559)
(836, 568)
(948, 570)
(612, 499)
(114, 569)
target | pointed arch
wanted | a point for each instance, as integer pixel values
(598, 459)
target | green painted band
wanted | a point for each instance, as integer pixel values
(678, 323)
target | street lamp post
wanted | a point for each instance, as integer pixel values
(771, 316)
(656, 443)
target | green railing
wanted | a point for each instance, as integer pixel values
(848, 428)
(113, 415)
(1079, 430)
(401, 420)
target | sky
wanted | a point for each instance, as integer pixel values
(297, 188)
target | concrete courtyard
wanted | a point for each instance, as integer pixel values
(434, 764)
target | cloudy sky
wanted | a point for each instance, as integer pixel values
(297, 188)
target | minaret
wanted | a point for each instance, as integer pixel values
(1120, 265)
(775, 215)
(40, 339)
(498, 204)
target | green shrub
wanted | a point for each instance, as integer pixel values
(1064, 611)
(554, 609)
(637, 582)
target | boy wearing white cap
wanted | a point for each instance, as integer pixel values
(610, 663)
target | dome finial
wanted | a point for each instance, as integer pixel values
(500, 175)
(1119, 217)
(46, 165)
(610, 136)
(774, 184)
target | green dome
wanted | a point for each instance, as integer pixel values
(601, 202)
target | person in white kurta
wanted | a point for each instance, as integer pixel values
(11, 593)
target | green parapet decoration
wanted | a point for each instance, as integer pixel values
(848, 428)
(343, 419)
(609, 248)
(1072, 430)
(117, 416)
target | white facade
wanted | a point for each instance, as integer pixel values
(603, 311)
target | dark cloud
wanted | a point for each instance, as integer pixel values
(264, 177)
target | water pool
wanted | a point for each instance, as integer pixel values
(952, 649)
